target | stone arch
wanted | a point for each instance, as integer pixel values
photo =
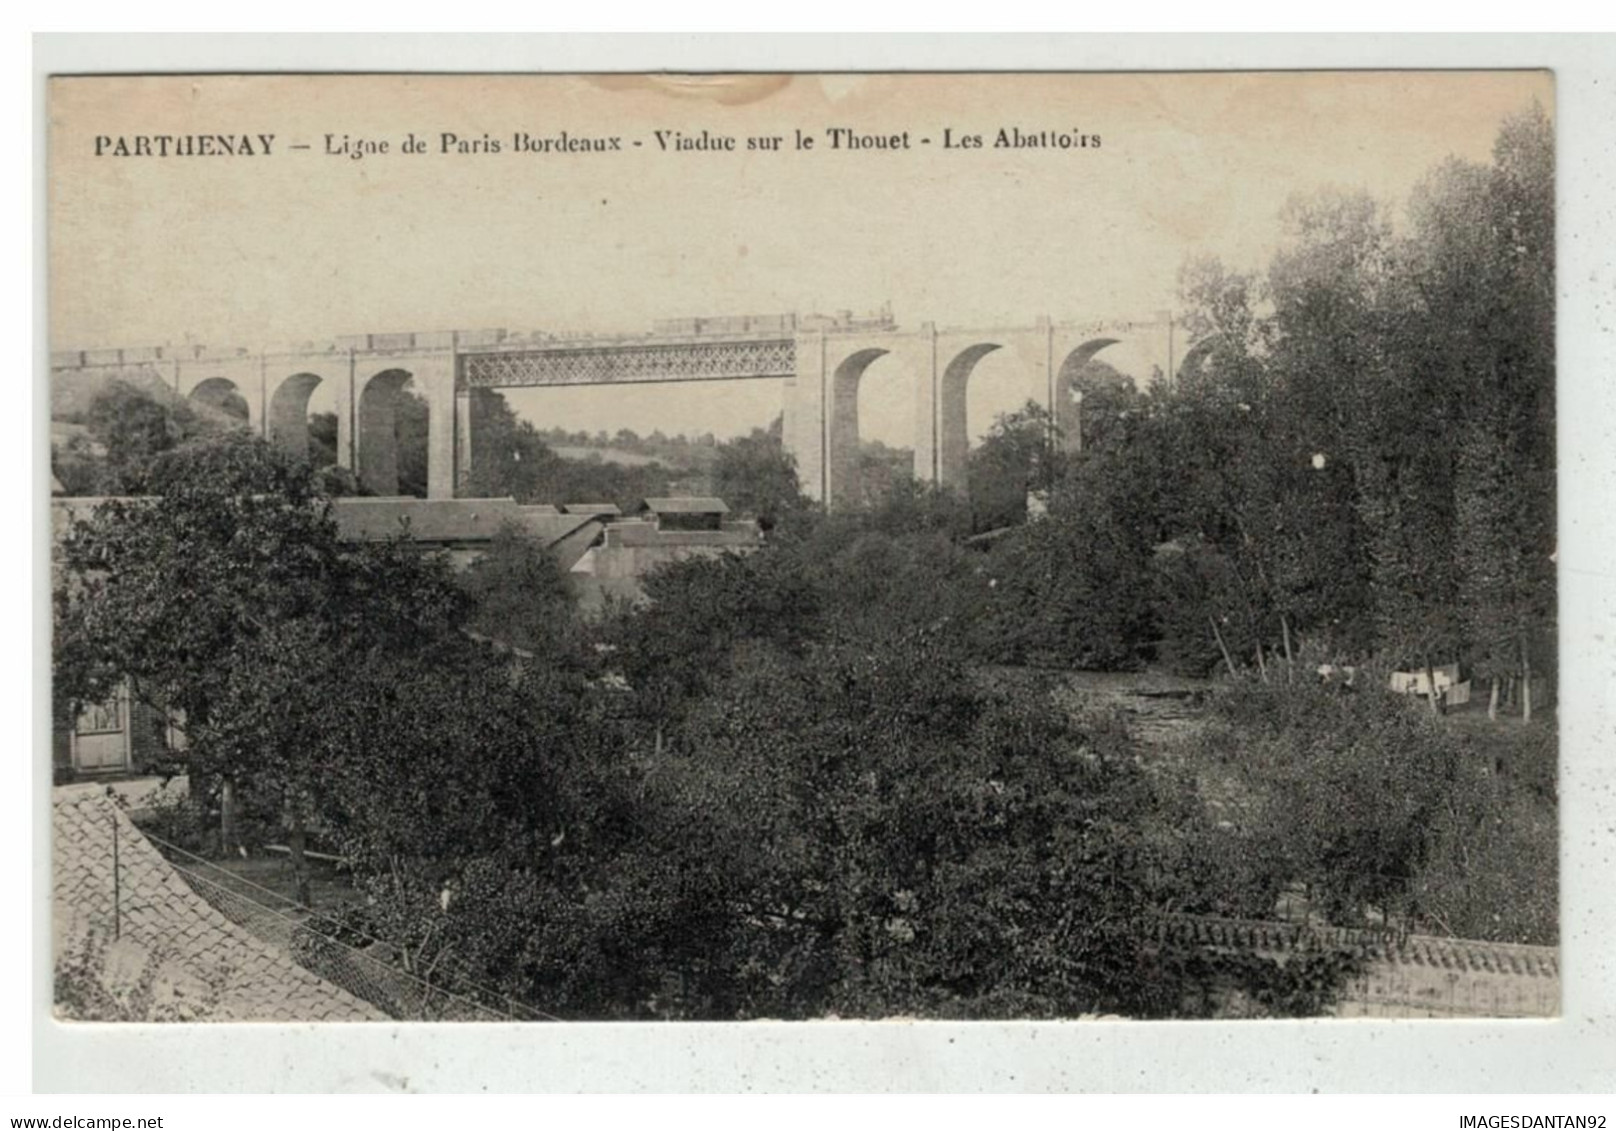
(842, 467)
(1067, 411)
(222, 395)
(377, 455)
(1195, 358)
(289, 413)
(1080, 357)
(953, 428)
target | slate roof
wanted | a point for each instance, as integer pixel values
(646, 534)
(690, 504)
(371, 518)
(159, 912)
(448, 520)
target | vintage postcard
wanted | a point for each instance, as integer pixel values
(951, 547)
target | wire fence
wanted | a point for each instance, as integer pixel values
(371, 972)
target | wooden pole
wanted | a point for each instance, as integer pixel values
(117, 884)
(297, 841)
(1290, 660)
(1218, 636)
(227, 815)
(1526, 682)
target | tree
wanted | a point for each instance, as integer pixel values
(323, 439)
(845, 870)
(330, 480)
(1073, 589)
(699, 611)
(756, 476)
(1482, 260)
(522, 599)
(133, 427)
(1368, 460)
(1017, 457)
(1279, 418)
(411, 437)
(228, 600)
(79, 464)
(1338, 792)
(508, 457)
(922, 846)
(1099, 404)
(882, 470)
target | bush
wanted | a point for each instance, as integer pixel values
(1492, 871)
(1375, 809)
(178, 817)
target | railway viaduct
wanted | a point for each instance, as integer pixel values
(819, 362)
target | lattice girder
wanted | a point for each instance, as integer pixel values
(627, 364)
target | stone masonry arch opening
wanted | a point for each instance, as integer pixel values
(221, 399)
(1078, 373)
(885, 453)
(843, 465)
(289, 407)
(953, 424)
(392, 435)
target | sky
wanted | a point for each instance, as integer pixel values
(306, 244)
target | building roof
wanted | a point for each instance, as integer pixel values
(647, 534)
(593, 508)
(572, 546)
(156, 914)
(463, 523)
(449, 520)
(556, 530)
(693, 504)
(426, 520)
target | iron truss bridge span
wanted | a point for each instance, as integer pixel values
(619, 363)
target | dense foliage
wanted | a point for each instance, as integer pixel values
(1359, 452)
(1358, 806)
(226, 599)
(605, 820)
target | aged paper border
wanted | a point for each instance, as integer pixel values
(1573, 1053)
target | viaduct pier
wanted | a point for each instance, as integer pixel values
(818, 361)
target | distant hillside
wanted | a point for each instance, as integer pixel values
(606, 455)
(628, 449)
(73, 393)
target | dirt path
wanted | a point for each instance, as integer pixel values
(1157, 706)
